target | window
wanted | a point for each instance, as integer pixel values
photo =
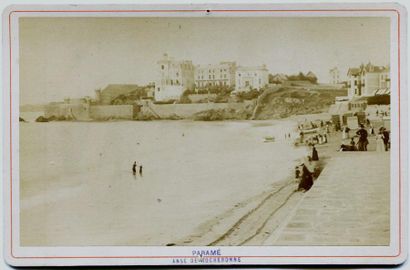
(172, 82)
(210, 77)
(162, 67)
(177, 82)
(177, 74)
(213, 77)
(158, 89)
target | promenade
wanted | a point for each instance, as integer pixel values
(347, 205)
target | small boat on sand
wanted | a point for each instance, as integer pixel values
(269, 139)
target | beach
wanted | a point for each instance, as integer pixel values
(81, 191)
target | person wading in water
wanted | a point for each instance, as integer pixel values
(134, 168)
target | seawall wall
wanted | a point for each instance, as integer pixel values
(188, 110)
(102, 112)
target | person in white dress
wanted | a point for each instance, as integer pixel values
(380, 142)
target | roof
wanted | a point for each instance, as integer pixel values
(241, 68)
(359, 99)
(310, 74)
(353, 71)
(385, 91)
(339, 108)
(370, 68)
(279, 77)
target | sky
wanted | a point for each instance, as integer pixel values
(71, 57)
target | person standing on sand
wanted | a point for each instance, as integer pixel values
(386, 139)
(134, 168)
(371, 129)
(380, 147)
(315, 156)
(301, 137)
(363, 142)
(345, 134)
(140, 171)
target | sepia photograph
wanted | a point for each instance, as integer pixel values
(196, 131)
(189, 135)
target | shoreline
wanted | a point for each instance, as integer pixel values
(295, 117)
(259, 216)
(259, 204)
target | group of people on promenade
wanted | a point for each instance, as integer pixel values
(382, 139)
(306, 172)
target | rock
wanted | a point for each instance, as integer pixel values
(42, 119)
(173, 117)
(22, 120)
(52, 118)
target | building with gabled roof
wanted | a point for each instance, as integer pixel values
(367, 80)
(334, 76)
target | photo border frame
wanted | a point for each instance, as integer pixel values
(115, 255)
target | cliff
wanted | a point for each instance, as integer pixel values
(287, 101)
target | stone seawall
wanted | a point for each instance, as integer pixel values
(73, 111)
(111, 111)
(188, 110)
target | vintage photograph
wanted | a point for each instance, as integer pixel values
(204, 131)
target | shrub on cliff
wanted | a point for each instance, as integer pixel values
(248, 95)
(185, 100)
(209, 115)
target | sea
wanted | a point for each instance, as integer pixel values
(77, 187)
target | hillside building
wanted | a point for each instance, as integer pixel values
(248, 78)
(367, 80)
(173, 78)
(278, 78)
(334, 76)
(222, 74)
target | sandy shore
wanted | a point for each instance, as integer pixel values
(260, 219)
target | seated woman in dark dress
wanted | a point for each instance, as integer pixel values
(307, 180)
